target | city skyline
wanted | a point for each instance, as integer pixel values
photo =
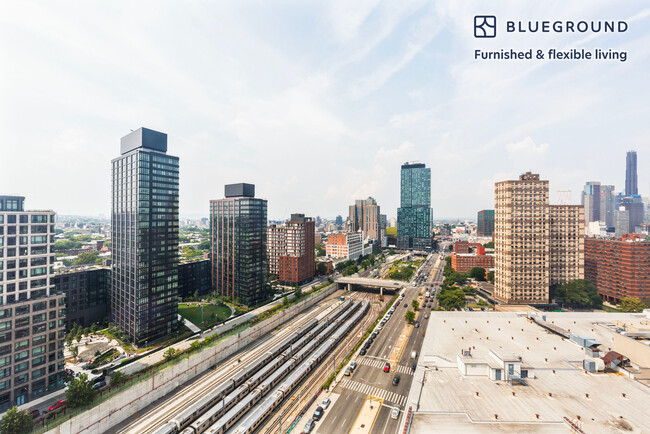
(248, 110)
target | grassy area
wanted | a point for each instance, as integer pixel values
(402, 270)
(211, 314)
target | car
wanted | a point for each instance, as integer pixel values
(362, 352)
(429, 305)
(34, 413)
(57, 405)
(353, 365)
(348, 371)
(397, 302)
(414, 354)
(309, 426)
(373, 335)
(417, 324)
(99, 378)
(326, 403)
(379, 328)
(387, 367)
(383, 322)
(395, 413)
(318, 413)
(367, 345)
(99, 385)
(396, 379)
(414, 365)
(405, 305)
(426, 316)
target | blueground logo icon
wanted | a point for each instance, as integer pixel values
(485, 26)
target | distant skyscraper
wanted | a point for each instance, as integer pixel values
(339, 221)
(634, 207)
(631, 181)
(536, 244)
(365, 217)
(591, 199)
(414, 214)
(32, 311)
(607, 205)
(238, 228)
(144, 281)
(622, 225)
(485, 223)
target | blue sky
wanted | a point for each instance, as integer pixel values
(317, 103)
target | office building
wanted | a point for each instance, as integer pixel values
(238, 230)
(631, 179)
(365, 217)
(347, 245)
(144, 281)
(622, 224)
(634, 206)
(414, 213)
(607, 205)
(619, 267)
(86, 289)
(32, 315)
(536, 244)
(485, 223)
(591, 199)
(291, 249)
(194, 278)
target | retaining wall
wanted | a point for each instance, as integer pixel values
(103, 417)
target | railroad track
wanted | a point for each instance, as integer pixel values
(153, 419)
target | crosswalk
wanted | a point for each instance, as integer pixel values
(378, 363)
(367, 389)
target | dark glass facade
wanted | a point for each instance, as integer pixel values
(239, 263)
(194, 277)
(414, 213)
(144, 283)
(631, 179)
(485, 223)
(86, 291)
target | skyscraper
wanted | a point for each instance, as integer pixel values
(631, 180)
(485, 223)
(634, 206)
(365, 217)
(414, 214)
(144, 281)
(591, 199)
(291, 249)
(536, 244)
(238, 231)
(607, 205)
(32, 312)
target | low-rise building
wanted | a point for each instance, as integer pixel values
(344, 245)
(463, 262)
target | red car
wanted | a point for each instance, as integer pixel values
(387, 367)
(58, 404)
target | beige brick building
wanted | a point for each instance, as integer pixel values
(536, 244)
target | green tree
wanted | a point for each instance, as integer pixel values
(169, 354)
(204, 245)
(451, 247)
(580, 293)
(320, 250)
(298, 293)
(80, 392)
(477, 273)
(491, 277)
(632, 304)
(94, 327)
(409, 316)
(118, 378)
(489, 245)
(451, 299)
(16, 422)
(86, 258)
(75, 351)
(285, 301)
(321, 269)
(415, 305)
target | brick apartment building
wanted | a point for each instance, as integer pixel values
(463, 262)
(466, 247)
(290, 249)
(619, 268)
(344, 245)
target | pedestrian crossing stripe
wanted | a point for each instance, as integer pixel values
(380, 364)
(366, 389)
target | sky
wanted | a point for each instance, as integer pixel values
(318, 103)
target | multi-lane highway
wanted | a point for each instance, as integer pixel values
(394, 344)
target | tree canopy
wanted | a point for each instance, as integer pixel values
(409, 316)
(451, 299)
(16, 422)
(477, 273)
(632, 304)
(579, 293)
(80, 392)
(86, 258)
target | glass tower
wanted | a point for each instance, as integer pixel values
(631, 180)
(144, 283)
(485, 223)
(238, 230)
(414, 214)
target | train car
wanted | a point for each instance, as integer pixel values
(260, 414)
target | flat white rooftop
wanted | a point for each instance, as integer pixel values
(558, 392)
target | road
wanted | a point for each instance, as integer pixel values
(369, 378)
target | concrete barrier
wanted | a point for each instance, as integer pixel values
(118, 408)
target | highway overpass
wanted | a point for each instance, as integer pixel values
(352, 283)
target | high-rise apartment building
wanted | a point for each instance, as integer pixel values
(365, 217)
(32, 312)
(414, 213)
(238, 230)
(619, 268)
(291, 249)
(631, 179)
(607, 205)
(485, 223)
(591, 199)
(536, 244)
(144, 280)
(86, 289)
